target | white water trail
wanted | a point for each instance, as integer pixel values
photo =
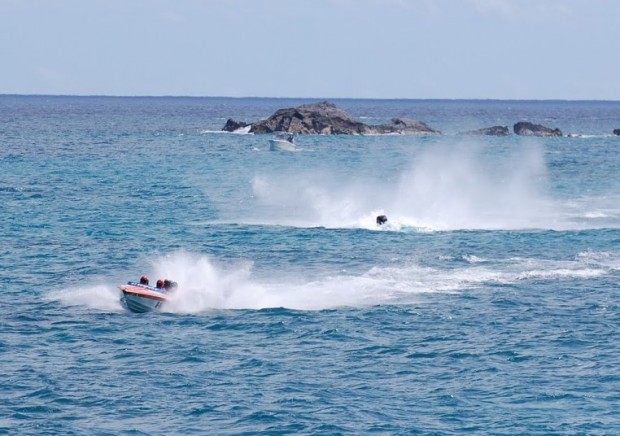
(101, 296)
(204, 285)
(455, 188)
(444, 188)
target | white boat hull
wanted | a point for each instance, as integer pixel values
(141, 299)
(281, 145)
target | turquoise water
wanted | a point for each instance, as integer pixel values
(487, 305)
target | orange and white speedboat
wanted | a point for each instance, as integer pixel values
(142, 298)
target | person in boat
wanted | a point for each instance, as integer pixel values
(381, 219)
(170, 285)
(160, 284)
(144, 280)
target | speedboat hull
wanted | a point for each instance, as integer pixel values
(140, 298)
(281, 145)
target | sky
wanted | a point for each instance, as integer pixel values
(384, 49)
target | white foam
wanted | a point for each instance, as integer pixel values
(444, 188)
(98, 296)
(561, 273)
(240, 131)
(451, 188)
(205, 285)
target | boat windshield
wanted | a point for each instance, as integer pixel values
(285, 136)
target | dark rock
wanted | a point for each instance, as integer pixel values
(316, 118)
(490, 131)
(326, 119)
(232, 125)
(381, 219)
(524, 128)
(403, 126)
(617, 132)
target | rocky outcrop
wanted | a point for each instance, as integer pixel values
(617, 132)
(326, 119)
(404, 126)
(525, 128)
(319, 118)
(232, 125)
(490, 131)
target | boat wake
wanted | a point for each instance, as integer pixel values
(444, 189)
(204, 285)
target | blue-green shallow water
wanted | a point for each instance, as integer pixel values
(487, 306)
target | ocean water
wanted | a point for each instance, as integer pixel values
(487, 305)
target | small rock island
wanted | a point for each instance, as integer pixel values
(326, 119)
(490, 131)
(525, 128)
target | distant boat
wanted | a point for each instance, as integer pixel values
(283, 142)
(142, 298)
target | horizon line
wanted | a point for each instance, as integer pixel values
(306, 98)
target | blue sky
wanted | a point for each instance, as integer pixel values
(497, 49)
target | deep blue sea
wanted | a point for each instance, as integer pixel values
(489, 303)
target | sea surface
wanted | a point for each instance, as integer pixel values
(488, 304)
